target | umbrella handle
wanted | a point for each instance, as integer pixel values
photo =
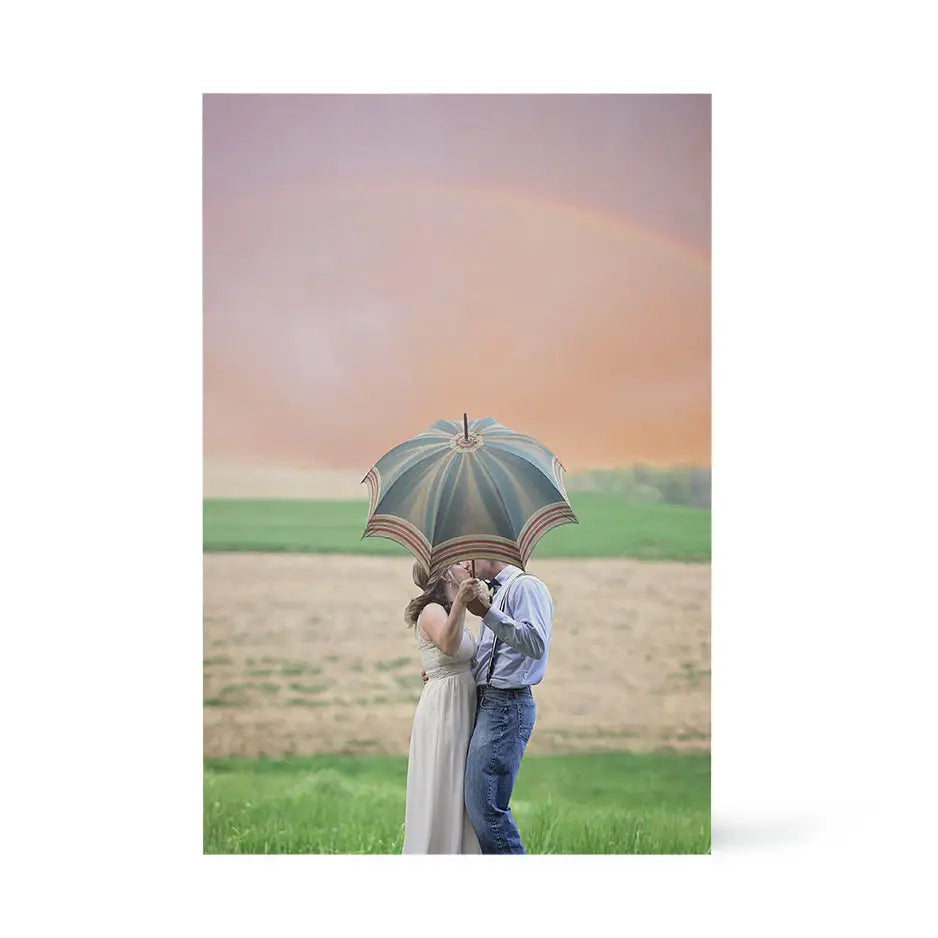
(465, 429)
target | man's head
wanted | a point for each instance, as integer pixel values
(486, 569)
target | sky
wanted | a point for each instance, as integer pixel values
(372, 263)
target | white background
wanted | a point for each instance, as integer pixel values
(823, 440)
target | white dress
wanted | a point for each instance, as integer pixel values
(435, 819)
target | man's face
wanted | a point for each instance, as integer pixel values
(485, 569)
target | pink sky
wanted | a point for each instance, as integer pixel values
(373, 263)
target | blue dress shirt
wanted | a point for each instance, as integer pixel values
(521, 616)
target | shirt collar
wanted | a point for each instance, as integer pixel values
(507, 574)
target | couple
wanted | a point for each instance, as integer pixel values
(476, 713)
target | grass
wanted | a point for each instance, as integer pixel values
(309, 688)
(610, 526)
(603, 803)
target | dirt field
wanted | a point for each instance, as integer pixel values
(223, 478)
(307, 654)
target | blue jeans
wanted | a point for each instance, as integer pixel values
(504, 721)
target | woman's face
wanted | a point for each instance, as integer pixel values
(460, 571)
(452, 578)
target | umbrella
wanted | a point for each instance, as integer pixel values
(467, 491)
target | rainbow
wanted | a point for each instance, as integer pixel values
(609, 223)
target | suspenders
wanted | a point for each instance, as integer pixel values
(488, 676)
(501, 607)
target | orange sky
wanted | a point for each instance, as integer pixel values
(373, 263)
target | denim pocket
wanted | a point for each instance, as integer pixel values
(493, 703)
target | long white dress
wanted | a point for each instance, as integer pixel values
(435, 819)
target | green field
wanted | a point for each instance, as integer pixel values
(573, 804)
(610, 526)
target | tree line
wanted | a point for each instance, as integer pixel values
(677, 485)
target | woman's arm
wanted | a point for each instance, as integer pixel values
(445, 631)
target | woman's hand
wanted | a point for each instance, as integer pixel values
(467, 591)
(480, 601)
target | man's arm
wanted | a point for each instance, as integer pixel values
(529, 630)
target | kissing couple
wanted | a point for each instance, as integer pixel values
(476, 712)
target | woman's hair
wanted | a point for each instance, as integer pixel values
(431, 592)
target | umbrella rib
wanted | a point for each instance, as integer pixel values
(442, 489)
(388, 485)
(530, 462)
(426, 438)
(495, 488)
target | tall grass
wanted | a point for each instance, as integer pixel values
(603, 803)
(609, 526)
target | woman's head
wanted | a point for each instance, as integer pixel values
(421, 575)
(440, 588)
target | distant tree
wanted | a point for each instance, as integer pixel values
(645, 493)
(676, 485)
(643, 474)
(701, 488)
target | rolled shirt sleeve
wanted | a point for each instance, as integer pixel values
(529, 630)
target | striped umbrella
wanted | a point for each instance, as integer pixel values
(469, 491)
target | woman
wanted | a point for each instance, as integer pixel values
(435, 818)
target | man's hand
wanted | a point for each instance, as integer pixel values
(481, 602)
(423, 674)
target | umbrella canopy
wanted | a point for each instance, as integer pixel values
(467, 491)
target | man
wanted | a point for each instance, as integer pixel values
(512, 656)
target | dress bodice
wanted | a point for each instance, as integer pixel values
(437, 665)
